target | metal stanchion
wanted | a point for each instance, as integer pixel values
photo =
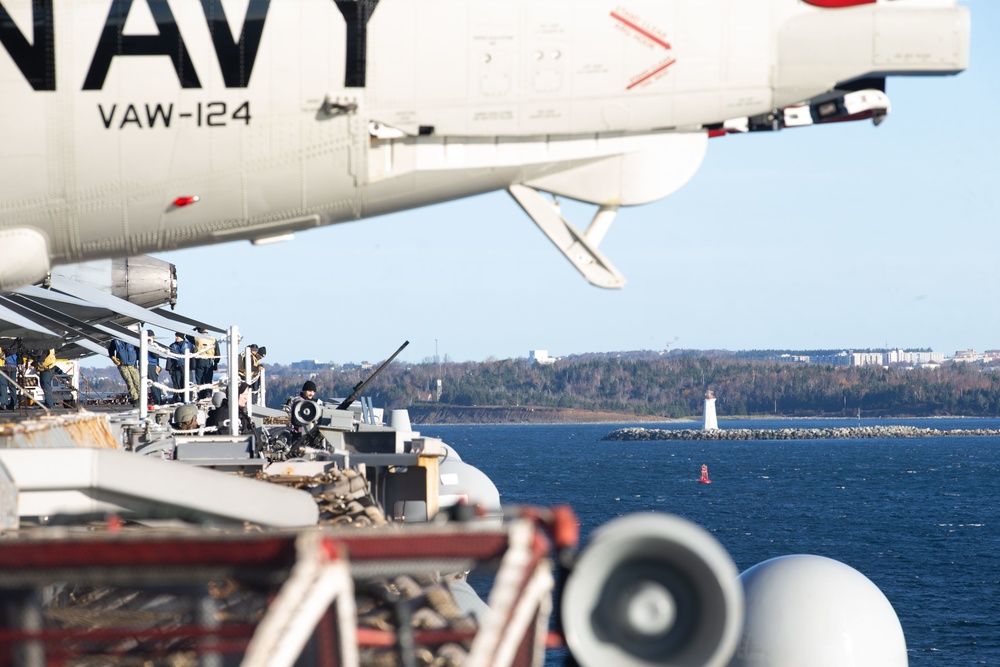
(262, 398)
(143, 372)
(75, 384)
(234, 379)
(187, 376)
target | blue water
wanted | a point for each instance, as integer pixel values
(919, 517)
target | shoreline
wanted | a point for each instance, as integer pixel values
(632, 434)
(521, 414)
(450, 415)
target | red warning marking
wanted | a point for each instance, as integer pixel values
(833, 4)
(642, 31)
(650, 75)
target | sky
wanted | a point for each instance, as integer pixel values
(847, 236)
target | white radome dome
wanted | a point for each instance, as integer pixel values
(816, 611)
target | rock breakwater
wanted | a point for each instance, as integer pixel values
(841, 433)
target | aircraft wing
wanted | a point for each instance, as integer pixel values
(15, 325)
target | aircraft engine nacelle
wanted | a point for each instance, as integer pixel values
(652, 589)
(142, 280)
(24, 257)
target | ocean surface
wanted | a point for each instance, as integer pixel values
(919, 517)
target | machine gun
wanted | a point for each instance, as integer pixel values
(360, 387)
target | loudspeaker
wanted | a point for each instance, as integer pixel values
(652, 589)
(305, 413)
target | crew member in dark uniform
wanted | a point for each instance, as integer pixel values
(176, 366)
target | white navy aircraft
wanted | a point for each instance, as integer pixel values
(137, 126)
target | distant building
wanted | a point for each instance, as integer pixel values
(897, 356)
(839, 359)
(968, 356)
(876, 358)
(541, 357)
(867, 359)
(914, 358)
(795, 358)
(311, 365)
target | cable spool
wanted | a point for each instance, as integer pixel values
(305, 412)
(652, 590)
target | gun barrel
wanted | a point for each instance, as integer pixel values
(360, 387)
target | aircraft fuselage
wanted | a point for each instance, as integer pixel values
(135, 126)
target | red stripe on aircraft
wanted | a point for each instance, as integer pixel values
(645, 33)
(651, 74)
(833, 4)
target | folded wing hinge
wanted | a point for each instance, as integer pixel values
(579, 248)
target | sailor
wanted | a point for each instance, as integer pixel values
(153, 352)
(206, 352)
(175, 365)
(186, 417)
(219, 415)
(254, 354)
(308, 391)
(6, 389)
(46, 365)
(11, 362)
(126, 358)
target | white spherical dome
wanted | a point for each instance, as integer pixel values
(811, 610)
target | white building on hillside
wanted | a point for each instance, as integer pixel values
(867, 359)
(914, 358)
(968, 356)
(541, 357)
(895, 357)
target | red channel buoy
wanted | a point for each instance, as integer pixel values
(704, 475)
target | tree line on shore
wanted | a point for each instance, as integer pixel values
(670, 386)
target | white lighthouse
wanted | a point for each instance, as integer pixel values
(711, 421)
